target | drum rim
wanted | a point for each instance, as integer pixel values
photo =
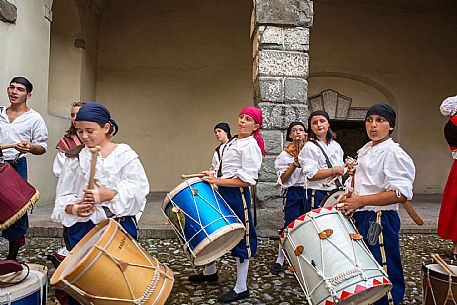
(206, 242)
(306, 218)
(41, 273)
(330, 193)
(183, 185)
(435, 274)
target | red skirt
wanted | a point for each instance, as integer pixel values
(447, 223)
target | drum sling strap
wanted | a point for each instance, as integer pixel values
(329, 165)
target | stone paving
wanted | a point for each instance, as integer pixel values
(265, 288)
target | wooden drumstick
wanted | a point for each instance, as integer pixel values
(93, 162)
(192, 176)
(412, 213)
(437, 258)
(2, 147)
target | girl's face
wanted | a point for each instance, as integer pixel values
(320, 125)
(246, 125)
(74, 110)
(221, 135)
(297, 131)
(378, 128)
(91, 133)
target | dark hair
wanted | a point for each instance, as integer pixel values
(72, 130)
(23, 81)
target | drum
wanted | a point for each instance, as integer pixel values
(203, 221)
(109, 267)
(330, 260)
(16, 196)
(31, 291)
(332, 198)
(438, 288)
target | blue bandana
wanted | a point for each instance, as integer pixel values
(97, 113)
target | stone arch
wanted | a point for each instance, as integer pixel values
(67, 47)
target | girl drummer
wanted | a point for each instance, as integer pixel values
(121, 182)
(291, 179)
(320, 158)
(383, 178)
(222, 132)
(240, 167)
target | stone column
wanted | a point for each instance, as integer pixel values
(280, 36)
(8, 12)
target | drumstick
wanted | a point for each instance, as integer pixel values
(192, 176)
(412, 213)
(93, 162)
(437, 258)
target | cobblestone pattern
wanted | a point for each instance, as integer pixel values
(280, 37)
(264, 287)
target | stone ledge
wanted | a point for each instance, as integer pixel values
(8, 12)
(283, 12)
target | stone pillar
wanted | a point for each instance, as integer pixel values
(8, 12)
(280, 37)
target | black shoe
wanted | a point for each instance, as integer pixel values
(200, 278)
(276, 268)
(233, 296)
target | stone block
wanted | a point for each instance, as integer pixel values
(271, 37)
(8, 11)
(274, 141)
(269, 89)
(272, 203)
(269, 221)
(283, 12)
(295, 90)
(267, 171)
(266, 191)
(277, 116)
(282, 63)
(296, 39)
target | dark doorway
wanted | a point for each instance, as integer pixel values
(351, 135)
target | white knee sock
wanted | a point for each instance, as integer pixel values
(241, 275)
(211, 268)
(280, 259)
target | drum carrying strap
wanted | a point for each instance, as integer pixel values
(246, 221)
(329, 164)
(383, 253)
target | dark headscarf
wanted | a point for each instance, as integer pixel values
(23, 81)
(289, 129)
(385, 111)
(225, 127)
(97, 113)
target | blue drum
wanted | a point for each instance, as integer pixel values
(205, 224)
(31, 291)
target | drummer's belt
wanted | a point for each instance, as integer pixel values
(383, 251)
(246, 221)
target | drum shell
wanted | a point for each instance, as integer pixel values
(435, 284)
(211, 228)
(32, 291)
(95, 273)
(334, 257)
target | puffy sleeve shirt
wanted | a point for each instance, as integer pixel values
(29, 126)
(242, 159)
(282, 162)
(383, 167)
(121, 170)
(312, 160)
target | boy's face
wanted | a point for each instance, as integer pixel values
(378, 128)
(221, 135)
(17, 93)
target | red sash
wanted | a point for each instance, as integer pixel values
(16, 196)
(68, 143)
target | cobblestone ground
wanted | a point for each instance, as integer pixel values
(265, 288)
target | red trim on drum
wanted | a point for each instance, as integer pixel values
(328, 302)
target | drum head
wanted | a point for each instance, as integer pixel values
(435, 284)
(332, 198)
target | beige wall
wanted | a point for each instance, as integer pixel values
(168, 71)
(401, 52)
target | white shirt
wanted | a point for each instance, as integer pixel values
(383, 167)
(58, 164)
(282, 163)
(121, 170)
(242, 159)
(312, 160)
(28, 126)
(216, 161)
